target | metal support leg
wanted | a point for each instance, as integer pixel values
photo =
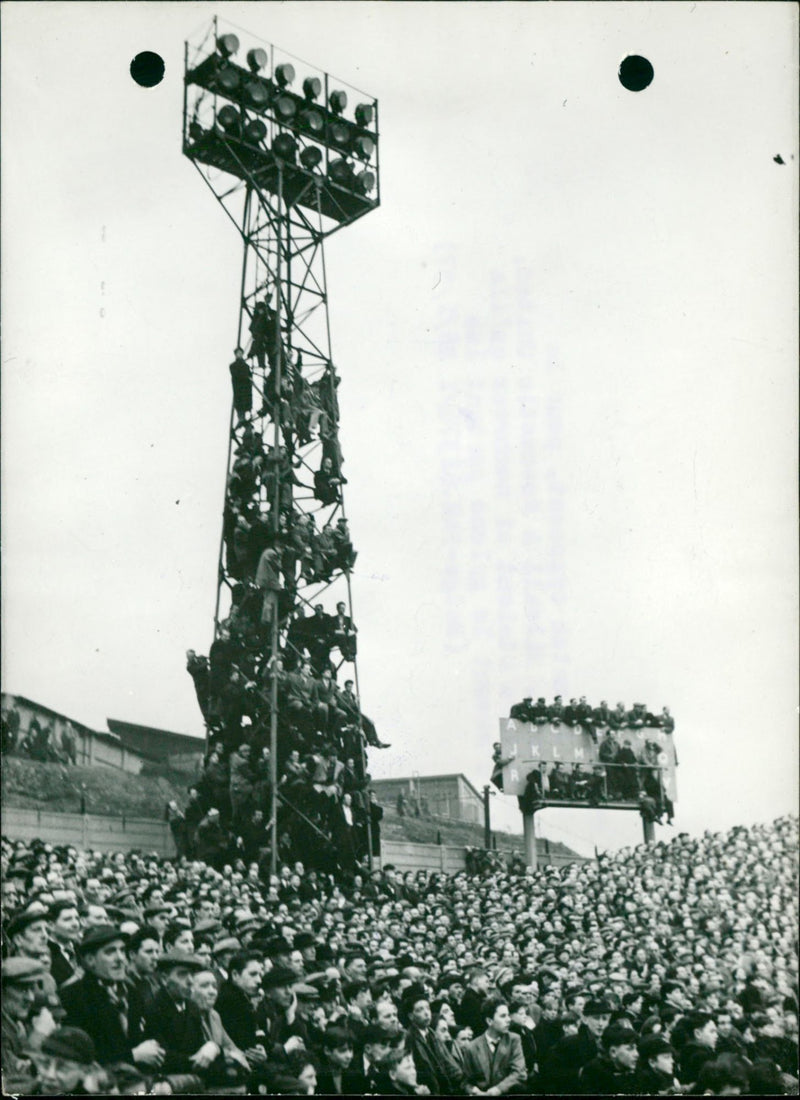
(531, 853)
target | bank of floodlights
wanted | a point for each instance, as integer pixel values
(264, 129)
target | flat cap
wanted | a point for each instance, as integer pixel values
(70, 1043)
(247, 920)
(60, 906)
(279, 976)
(100, 936)
(170, 959)
(618, 1034)
(598, 1006)
(228, 943)
(305, 939)
(19, 970)
(414, 993)
(651, 1045)
(18, 870)
(154, 910)
(204, 926)
(276, 945)
(123, 896)
(447, 980)
(22, 920)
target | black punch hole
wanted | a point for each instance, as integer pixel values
(635, 73)
(147, 69)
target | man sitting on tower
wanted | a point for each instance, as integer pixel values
(326, 483)
(602, 714)
(522, 712)
(578, 783)
(318, 636)
(345, 555)
(558, 782)
(301, 693)
(585, 720)
(555, 713)
(343, 633)
(348, 703)
(571, 713)
(540, 711)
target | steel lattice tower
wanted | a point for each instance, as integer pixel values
(289, 169)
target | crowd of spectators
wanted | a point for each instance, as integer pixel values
(658, 970)
(580, 713)
(278, 653)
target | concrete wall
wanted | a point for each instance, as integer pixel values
(414, 857)
(103, 834)
(117, 834)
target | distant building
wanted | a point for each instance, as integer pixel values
(37, 732)
(40, 733)
(450, 796)
(179, 751)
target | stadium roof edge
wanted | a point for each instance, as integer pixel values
(136, 729)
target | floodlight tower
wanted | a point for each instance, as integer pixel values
(291, 155)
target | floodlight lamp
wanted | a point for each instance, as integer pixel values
(365, 182)
(338, 101)
(256, 59)
(285, 147)
(227, 44)
(257, 94)
(227, 80)
(340, 133)
(284, 107)
(364, 114)
(228, 118)
(255, 131)
(311, 157)
(312, 120)
(312, 88)
(284, 74)
(364, 146)
(341, 172)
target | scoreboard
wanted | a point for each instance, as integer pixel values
(533, 745)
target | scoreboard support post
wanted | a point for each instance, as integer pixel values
(529, 834)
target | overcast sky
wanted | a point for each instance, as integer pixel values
(567, 342)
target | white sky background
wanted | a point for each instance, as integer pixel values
(567, 341)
